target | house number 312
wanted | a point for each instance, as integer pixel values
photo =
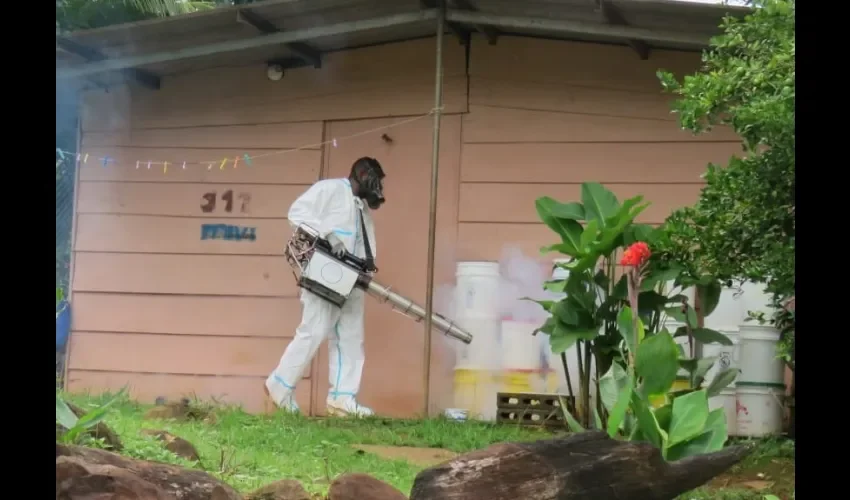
(208, 201)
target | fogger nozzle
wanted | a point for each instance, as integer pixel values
(415, 311)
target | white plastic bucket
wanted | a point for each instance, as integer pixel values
(520, 349)
(727, 399)
(477, 290)
(734, 304)
(559, 273)
(484, 353)
(475, 391)
(758, 361)
(759, 409)
(728, 356)
(729, 313)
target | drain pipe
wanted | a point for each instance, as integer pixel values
(432, 211)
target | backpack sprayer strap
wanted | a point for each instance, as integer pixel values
(370, 259)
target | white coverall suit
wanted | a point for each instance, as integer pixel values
(329, 206)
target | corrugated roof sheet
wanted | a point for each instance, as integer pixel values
(222, 25)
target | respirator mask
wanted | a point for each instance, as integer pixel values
(370, 179)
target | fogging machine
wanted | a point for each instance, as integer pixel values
(318, 270)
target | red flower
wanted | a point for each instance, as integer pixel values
(636, 255)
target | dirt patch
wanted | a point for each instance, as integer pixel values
(425, 457)
(775, 476)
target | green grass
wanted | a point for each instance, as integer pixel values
(772, 457)
(249, 451)
(260, 449)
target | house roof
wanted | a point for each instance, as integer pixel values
(296, 33)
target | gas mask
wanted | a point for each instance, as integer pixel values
(373, 193)
(370, 180)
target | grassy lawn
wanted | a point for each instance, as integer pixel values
(249, 451)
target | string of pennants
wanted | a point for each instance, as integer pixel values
(226, 162)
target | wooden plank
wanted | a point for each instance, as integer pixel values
(483, 241)
(184, 274)
(573, 162)
(106, 111)
(307, 135)
(499, 202)
(96, 139)
(146, 387)
(293, 167)
(355, 101)
(350, 84)
(189, 200)
(539, 96)
(176, 354)
(576, 63)
(186, 314)
(486, 124)
(151, 234)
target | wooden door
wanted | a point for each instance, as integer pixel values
(393, 376)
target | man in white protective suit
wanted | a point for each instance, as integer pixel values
(339, 209)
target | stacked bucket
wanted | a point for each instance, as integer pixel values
(726, 317)
(476, 309)
(556, 380)
(753, 403)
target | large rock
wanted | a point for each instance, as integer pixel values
(93, 474)
(175, 444)
(78, 480)
(287, 489)
(584, 466)
(363, 487)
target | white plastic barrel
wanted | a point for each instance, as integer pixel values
(728, 356)
(520, 349)
(477, 290)
(758, 360)
(727, 399)
(759, 409)
(484, 353)
(734, 304)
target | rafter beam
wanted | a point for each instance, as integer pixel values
(492, 34)
(613, 16)
(144, 78)
(228, 46)
(304, 51)
(565, 27)
(457, 30)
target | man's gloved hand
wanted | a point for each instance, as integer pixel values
(337, 246)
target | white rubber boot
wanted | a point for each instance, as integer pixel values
(347, 406)
(281, 396)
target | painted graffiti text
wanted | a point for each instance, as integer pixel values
(208, 201)
(228, 232)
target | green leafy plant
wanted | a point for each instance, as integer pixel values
(76, 426)
(87, 14)
(595, 312)
(743, 226)
(683, 427)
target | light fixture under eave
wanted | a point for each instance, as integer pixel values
(274, 72)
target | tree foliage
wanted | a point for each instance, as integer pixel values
(72, 15)
(743, 226)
